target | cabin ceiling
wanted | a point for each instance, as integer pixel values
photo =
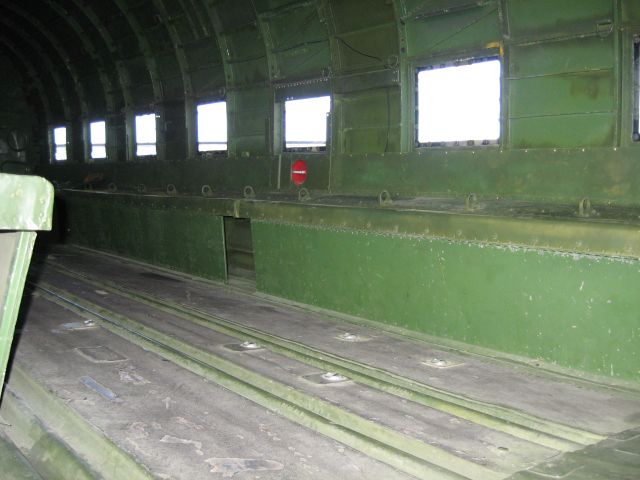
(88, 58)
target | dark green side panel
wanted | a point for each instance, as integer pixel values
(190, 241)
(572, 310)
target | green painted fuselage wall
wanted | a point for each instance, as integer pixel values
(190, 241)
(573, 310)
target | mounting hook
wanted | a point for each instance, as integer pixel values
(249, 192)
(384, 198)
(471, 201)
(584, 207)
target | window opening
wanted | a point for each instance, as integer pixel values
(212, 127)
(60, 143)
(306, 123)
(146, 135)
(459, 103)
(98, 138)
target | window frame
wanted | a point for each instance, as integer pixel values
(136, 144)
(320, 149)
(208, 101)
(91, 144)
(54, 145)
(458, 61)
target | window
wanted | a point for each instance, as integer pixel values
(60, 143)
(146, 134)
(212, 127)
(306, 123)
(459, 103)
(98, 138)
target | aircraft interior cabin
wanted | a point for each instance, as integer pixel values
(320, 239)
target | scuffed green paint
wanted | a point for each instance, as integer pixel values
(572, 310)
(57, 440)
(189, 240)
(27, 204)
(474, 25)
(561, 56)
(46, 452)
(607, 175)
(14, 465)
(218, 171)
(544, 17)
(563, 94)
(15, 256)
(613, 458)
(522, 224)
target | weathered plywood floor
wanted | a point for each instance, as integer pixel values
(160, 366)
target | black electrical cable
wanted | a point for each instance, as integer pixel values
(298, 45)
(359, 52)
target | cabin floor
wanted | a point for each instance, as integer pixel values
(122, 367)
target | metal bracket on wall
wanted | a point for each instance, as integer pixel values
(584, 207)
(248, 192)
(471, 201)
(206, 191)
(384, 198)
(303, 195)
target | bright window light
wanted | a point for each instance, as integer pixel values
(60, 143)
(146, 134)
(98, 137)
(306, 122)
(459, 103)
(212, 127)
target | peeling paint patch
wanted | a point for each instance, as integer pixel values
(183, 441)
(183, 421)
(132, 377)
(73, 326)
(228, 467)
